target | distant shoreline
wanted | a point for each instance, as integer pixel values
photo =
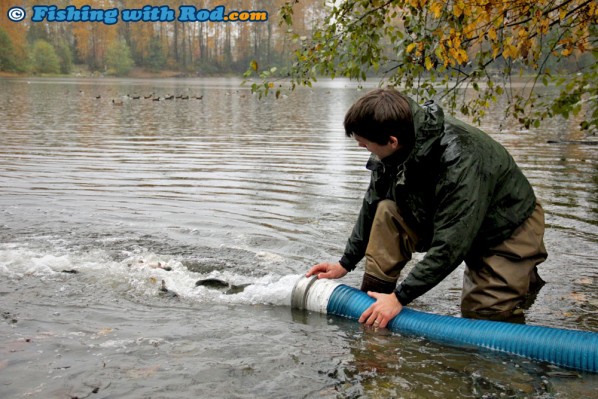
(136, 73)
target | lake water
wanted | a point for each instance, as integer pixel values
(93, 196)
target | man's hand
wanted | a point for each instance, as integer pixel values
(382, 311)
(327, 270)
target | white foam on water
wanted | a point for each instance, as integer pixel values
(270, 290)
(143, 274)
(16, 261)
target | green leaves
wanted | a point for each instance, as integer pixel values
(435, 49)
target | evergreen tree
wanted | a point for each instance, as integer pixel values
(63, 51)
(7, 55)
(44, 58)
(156, 59)
(118, 58)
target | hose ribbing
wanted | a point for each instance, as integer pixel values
(567, 348)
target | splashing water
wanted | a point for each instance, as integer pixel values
(144, 274)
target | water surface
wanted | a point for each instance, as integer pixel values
(94, 196)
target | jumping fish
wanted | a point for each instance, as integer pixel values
(221, 285)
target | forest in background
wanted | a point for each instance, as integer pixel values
(187, 48)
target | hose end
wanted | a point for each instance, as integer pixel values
(299, 294)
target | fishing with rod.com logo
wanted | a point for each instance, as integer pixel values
(148, 13)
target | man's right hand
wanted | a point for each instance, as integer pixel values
(327, 270)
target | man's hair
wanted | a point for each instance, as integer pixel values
(379, 114)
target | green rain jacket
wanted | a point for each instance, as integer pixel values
(459, 188)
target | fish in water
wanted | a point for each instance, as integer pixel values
(154, 265)
(70, 271)
(165, 292)
(160, 265)
(221, 285)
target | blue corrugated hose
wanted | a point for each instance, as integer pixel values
(567, 348)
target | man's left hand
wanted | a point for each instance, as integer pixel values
(382, 311)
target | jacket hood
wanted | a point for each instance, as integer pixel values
(428, 123)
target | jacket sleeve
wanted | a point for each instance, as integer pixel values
(463, 194)
(358, 241)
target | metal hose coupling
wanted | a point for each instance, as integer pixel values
(313, 294)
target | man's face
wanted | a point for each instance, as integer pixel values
(381, 151)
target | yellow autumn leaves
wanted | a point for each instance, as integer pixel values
(508, 29)
(448, 51)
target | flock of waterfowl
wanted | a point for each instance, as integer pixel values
(152, 97)
(123, 99)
